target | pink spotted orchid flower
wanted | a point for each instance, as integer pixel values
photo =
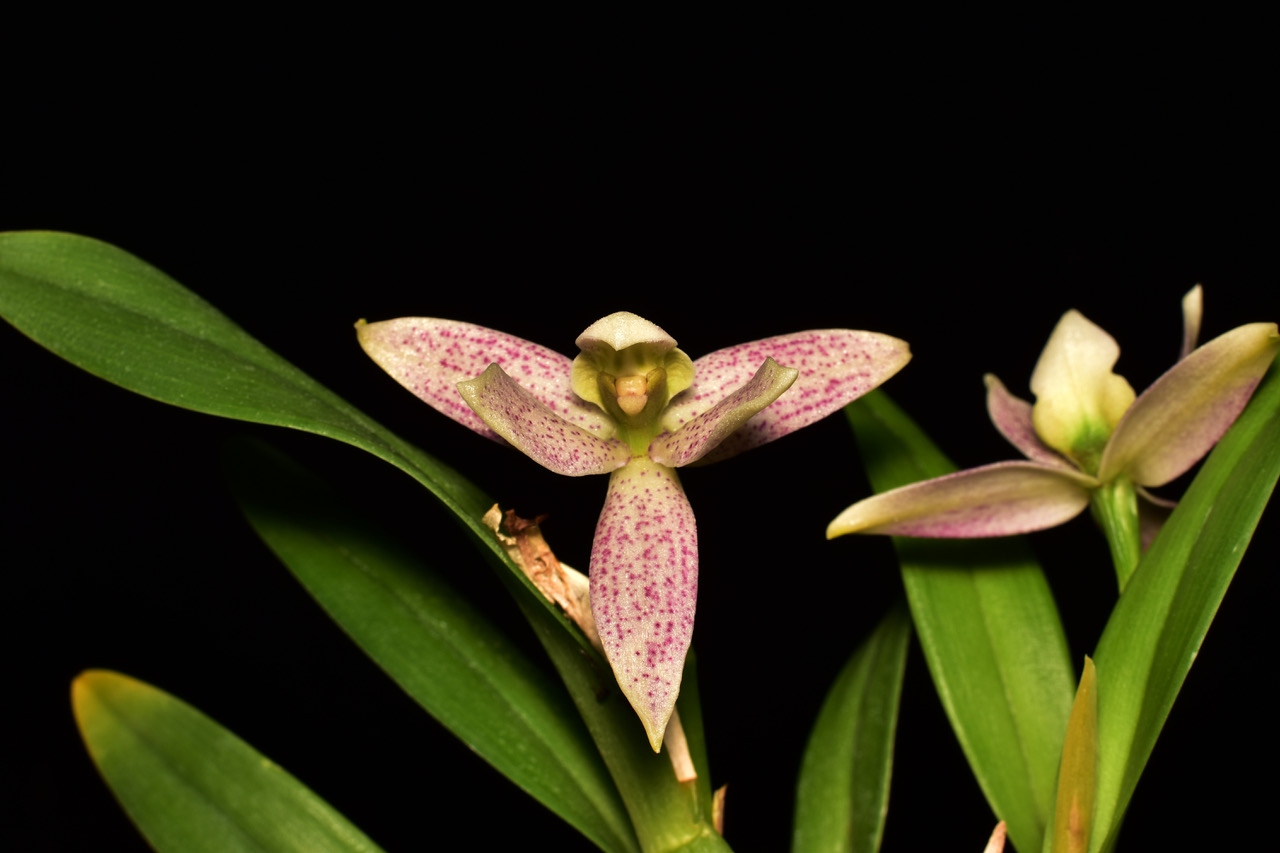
(1087, 440)
(635, 407)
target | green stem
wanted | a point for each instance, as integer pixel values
(668, 816)
(1115, 506)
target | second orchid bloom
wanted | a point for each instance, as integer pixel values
(635, 407)
(1087, 439)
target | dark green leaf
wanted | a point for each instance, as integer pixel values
(1157, 627)
(440, 649)
(990, 632)
(125, 321)
(843, 794)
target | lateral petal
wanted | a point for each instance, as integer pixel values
(836, 366)
(993, 500)
(1012, 417)
(644, 587)
(704, 432)
(517, 415)
(1184, 412)
(430, 357)
(1078, 398)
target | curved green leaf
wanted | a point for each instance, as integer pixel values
(843, 793)
(1157, 627)
(192, 786)
(432, 642)
(990, 632)
(123, 320)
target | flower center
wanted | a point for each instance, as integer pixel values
(632, 394)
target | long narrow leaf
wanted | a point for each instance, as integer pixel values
(123, 320)
(990, 632)
(190, 785)
(440, 649)
(843, 794)
(1157, 627)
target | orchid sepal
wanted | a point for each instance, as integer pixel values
(835, 367)
(548, 439)
(1184, 412)
(644, 587)
(993, 500)
(1011, 415)
(430, 356)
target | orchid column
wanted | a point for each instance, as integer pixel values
(634, 406)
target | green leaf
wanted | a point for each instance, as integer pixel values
(192, 786)
(990, 632)
(433, 643)
(1160, 621)
(125, 321)
(843, 793)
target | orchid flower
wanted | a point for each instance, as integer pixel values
(635, 407)
(1087, 439)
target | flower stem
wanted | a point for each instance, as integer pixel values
(1115, 506)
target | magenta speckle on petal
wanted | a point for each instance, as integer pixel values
(431, 356)
(836, 366)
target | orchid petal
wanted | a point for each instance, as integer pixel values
(836, 366)
(1184, 412)
(644, 587)
(703, 433)
(1192, 310)
(548, 439)
(430, 357)
(1078, 399)
(1012, 417)
(993, 500)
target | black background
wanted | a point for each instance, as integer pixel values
(732, 185)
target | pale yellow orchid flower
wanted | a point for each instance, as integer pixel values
(1087, 439)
